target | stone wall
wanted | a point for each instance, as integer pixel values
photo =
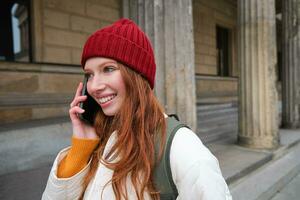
(216, 89)
(207, 15)
(59, 30)
(61, 27)
(36, 91)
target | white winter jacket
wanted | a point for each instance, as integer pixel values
(195, 171)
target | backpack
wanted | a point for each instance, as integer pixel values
(162, 173)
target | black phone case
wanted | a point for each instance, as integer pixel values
(89, 105)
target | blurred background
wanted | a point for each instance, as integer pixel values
(229, 68)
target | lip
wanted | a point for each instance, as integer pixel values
(106, 104)
(104, 95)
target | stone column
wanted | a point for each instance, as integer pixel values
(291, 63)
(257, 59)
(169, 24)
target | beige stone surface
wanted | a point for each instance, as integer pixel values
(291, 63)
(213, 86)
(211, 51)
(10, 115)
(58, 19)
(57, 54)
(63, 83)
(169, 27)
(20, 114)
(66, 24)
(76, 55)
(83, 24)
(51, 111)
(70, 6)
(258, 111)
(112, 3)
(36, 91)
(64, 38)
(205, 69)
(208, 60)
(102, 12)
(37, 30)
(206, 15)
(16, 82)
(221, 6)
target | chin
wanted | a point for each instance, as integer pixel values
(112, 109)
(109, 113)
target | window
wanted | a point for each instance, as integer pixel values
(14, 30)
(223, 51)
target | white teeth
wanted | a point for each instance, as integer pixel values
(106, 99)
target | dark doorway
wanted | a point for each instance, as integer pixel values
(222, 37)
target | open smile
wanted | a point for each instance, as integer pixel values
(106, 99)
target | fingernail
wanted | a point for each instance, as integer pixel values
(82, 111)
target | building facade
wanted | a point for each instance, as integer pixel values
(229, 68)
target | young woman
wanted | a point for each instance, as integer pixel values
(115, 158)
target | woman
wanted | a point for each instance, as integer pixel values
(115, 158)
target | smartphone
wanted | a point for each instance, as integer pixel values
(89, 105)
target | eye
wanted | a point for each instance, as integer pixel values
(108, 69)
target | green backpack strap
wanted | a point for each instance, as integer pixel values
(162, 174)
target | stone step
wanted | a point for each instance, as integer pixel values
(217, 121)
(212, 110)
(217, 129)
(265, 179)
(209, 107)
(208, 129)
(216, 99)
(219, 135)
(212, 132)
(216, 113)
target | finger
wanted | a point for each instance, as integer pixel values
(79, 89)
(77, 100)
(73, 112)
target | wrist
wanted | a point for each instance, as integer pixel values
(83, 147)
(85, 136)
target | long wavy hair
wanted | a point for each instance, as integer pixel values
(137, 124)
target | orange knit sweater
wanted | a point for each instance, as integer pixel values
(77, 157)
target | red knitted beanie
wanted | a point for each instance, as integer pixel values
(124, 42)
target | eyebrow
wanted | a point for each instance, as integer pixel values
(102, 64)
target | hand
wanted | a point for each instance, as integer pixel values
(80, 128)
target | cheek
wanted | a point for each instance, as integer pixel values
(122, 88)
(119, 83)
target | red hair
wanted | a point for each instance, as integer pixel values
(137, 124)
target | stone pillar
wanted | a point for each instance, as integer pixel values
(169, 24)
(258, 112)
(291, 63)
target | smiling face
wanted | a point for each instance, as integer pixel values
(105, 84)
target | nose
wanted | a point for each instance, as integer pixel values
(95, 85)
